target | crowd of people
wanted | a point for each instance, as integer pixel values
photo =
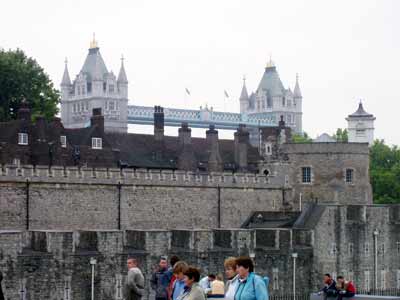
(181, 281)
(337, 289)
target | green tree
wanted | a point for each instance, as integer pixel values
(304, 138)
(21, 78)
(385, 172)
(341, 135)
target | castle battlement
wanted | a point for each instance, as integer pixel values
(135, 177)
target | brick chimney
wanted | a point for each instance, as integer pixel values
(158, 123)
(186, 160)
(97, 119)
(241, 146)
(185, 134)
(215, 163)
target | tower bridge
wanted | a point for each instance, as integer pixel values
(97, 87)
(202, 118)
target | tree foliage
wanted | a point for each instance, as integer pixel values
(341, 135)
(21, 77)
(385, 172)
(304, 138)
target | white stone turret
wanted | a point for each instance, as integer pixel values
(95, 87)
(122, 81)
(271, 100)
(360, 126)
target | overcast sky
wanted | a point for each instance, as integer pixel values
(343, 50)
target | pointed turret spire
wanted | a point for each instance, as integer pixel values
(297, 92)
(244, 95)
(122, 74)
(66, 81)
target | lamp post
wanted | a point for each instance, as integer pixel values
(294, 256)
(93, 262)
(376, 233)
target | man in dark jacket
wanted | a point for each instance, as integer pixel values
(160, 280)
(329, 290)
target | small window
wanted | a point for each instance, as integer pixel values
(82, 106)
(16, 162)
(111, 88)
(382, 252)
(333, 249)
(22, 138)
(306, 174)
(351, 248)
(111, 105)
(398, 248)
(83, 90)
(366, 249)
(349, 175)
(275, 279)
(283, 101)
(79, 90)
(360, 132)
(398, 279)
(63, 141)
(367, 280)
(383, 279)
(97, 143)
(87, 106)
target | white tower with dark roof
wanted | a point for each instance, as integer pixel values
(360, 126)
(95, 87)
(271, 100)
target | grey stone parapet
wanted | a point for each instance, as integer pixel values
(59, 174)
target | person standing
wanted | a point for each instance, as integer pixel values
(329, 290)
(134, 285)
(346, 288)
(251, 286)
(160, 280)
(178, 286)
(205, 283)
(217, 287)
(192, 291)
(233, 278)
(172, 261)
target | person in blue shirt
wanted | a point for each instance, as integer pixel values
(251, 286)
(179, 284)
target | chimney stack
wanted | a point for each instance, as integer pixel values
(241, 147)
(186, 160)
(185, 134)
(97, 119)
(158, 123)
(215, 163)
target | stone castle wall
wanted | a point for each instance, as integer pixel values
(52, 264)
(328, 162)
(72, 199)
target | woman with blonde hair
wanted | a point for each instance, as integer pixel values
(232, 276)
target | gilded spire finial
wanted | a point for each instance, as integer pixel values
(66, 61)
(244, 78)
(270, 64)
(93, 43)
(122, 58)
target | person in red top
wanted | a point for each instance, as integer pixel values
(346, 288)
